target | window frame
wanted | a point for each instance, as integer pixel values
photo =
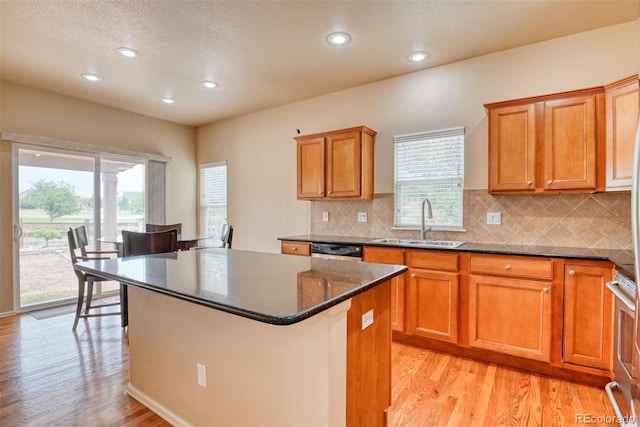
(204, 225)
(454, 182)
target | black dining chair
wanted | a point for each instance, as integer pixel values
(165, 227)
(78, 252)
(134, 243)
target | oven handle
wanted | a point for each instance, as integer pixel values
(613, 287)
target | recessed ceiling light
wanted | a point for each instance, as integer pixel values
(338, 39)
(418, 56)
(128, 52)
(92, 77)
(168, 100)
(209, 84)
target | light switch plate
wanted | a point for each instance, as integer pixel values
(325, 216)
(362, 217)
(367, 319)
(202, 375)
(494, 218)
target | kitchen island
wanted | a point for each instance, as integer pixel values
(222, 337)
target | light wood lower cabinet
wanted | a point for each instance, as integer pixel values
(511, 316)
(391, 256)
(295, 248)
(555, 315)
(433, 304)
(588, 305)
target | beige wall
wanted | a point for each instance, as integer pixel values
(261, 152)
(34, 112)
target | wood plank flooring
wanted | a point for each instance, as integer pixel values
(49, 376)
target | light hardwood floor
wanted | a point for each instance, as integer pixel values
(49, 376)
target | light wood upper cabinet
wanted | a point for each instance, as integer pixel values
(336, 165)
(311, 157)
(588, 316)
(512, 148)
(570, 143)
(547, 144)
(622, 109)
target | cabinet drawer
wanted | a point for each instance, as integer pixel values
(433, 260)
(512, 266)
(296, 248)
(383, 255)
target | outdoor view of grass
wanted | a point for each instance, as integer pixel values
(45, 266)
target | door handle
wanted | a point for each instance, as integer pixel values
(613, 287)
(17, 232)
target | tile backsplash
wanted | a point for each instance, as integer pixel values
(599, 220)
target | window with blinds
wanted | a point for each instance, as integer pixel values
(213, 197)
(429, 165)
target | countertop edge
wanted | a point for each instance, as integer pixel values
(249, 314)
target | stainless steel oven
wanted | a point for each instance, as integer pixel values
(624, 357)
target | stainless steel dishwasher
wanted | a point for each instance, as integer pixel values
(337, 251)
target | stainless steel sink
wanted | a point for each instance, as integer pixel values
(422, 243)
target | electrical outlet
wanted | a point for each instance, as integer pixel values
(202, 375)
(362, 217)
(367, 319)
(494, 218)
(325, 216)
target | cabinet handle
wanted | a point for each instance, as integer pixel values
(550, 181)
(545, 290)
(413, 275)
(294, 249)
(529, 182)
(508, 267)
(572, 272)
(319, 192)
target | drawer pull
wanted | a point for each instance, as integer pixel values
(550, 182)
(413, 275)
(572, 272)
(508, 267)
(294, 249)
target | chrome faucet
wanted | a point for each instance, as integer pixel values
(424, 228)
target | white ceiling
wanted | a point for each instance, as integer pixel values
(262, 53)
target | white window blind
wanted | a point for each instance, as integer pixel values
(213, 197)
(429, 165)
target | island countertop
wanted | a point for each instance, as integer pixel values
(270, 288)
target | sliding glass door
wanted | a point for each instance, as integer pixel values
(59, 189)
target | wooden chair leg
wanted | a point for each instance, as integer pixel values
(79, 305)
(89, 296)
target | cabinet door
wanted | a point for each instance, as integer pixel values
(570, 143)
(622, 106)
(343, 164)
(587, 316)
(311, 168)
(512, 148)
(510, 316)
(432, 304)
(391, 256)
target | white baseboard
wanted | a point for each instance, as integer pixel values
(156, 407)
(7, 314)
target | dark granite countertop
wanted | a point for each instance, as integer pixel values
(623, 259)
(266, 287)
